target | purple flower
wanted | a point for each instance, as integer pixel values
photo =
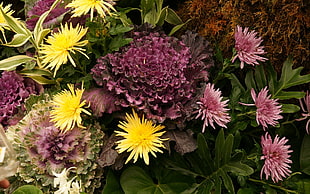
(276, 156)
(14, 89)
(268, 110)
(248, 47)
(306, 110)
(155, 73)
(212, 109)
(39, 8)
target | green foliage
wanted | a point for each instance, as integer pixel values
(108, 37)
(267, 76)
(305, 155)
(152, 12)
(112, 185)
(214, 168)
(27, 189)
(134, 180)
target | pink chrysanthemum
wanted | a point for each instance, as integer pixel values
(276, 156)
(212, 109)
(248, 47)
(306, 110)
(268, 110)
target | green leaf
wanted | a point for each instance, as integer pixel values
(249, 80)
(146, 6)
(44, 81)
(305, 155)
(112, 185)
(118, 42)
(245, 191)
(289, 108)
(119, 29)
(282, 95)
(41, 35)
(219, 145)
(227, 181)
(17, 26)
(18, 40)
(177, 27)
(162, 16)
(12, 62)
(36, 72)
(27, 189)
(239, 168)
(260, 77)
(151, 17)
(173, 18)
(134, 180)
(204, 152)
(290, 77)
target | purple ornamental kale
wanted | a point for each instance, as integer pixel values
(39, 8)
(14, 89)
(155, 73)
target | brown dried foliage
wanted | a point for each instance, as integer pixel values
(284, 25)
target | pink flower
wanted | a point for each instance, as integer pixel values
(248, 47)
(306, 110)
(212, 109)
(276, 156)
(268, 110)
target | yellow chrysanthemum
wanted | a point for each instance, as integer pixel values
(82, 7)
(7, 10)
(61, 44)
(141, 137)
(67, 108)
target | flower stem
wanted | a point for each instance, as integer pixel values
(271, 185)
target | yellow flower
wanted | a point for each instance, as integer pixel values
(82, 7)
(61, 44)
(7, 11)
(67, 108)
(141, 137)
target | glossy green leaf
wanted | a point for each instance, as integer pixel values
(112, 185)
(289, 108)
(12, 62)
(27, 189)
(18, 40)
(305, 155)
(134, 180)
